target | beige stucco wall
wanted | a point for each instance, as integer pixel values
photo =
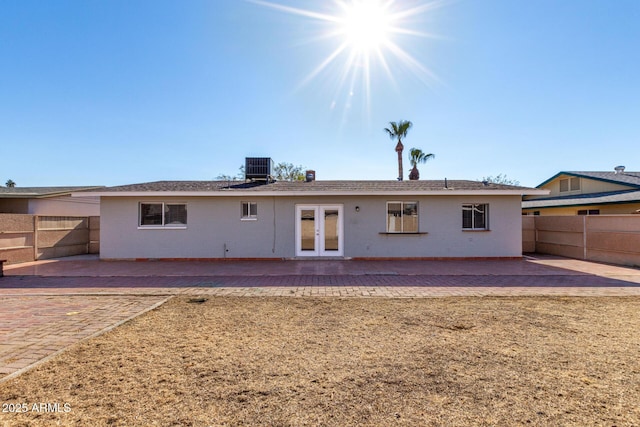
(214, 224)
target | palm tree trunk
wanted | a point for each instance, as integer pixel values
(399, 148)
(415, 174)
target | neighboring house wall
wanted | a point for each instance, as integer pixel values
(65, 206)
(214, 225)
(58, 206)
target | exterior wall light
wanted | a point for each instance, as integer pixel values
(357, 208)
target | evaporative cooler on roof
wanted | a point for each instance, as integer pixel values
(258, 168)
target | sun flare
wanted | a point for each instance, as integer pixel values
(368, 35)
(365, 25)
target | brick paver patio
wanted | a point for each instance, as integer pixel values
(34, 327)
(48, 305)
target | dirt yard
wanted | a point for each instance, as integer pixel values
(341, 362)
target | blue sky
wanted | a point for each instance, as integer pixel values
(118, 92)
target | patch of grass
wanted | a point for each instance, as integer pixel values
(339, 362)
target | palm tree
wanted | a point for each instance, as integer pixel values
(416, 156)
(399, 130)
(10, 183)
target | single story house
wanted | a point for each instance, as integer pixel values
(587, 193)
(335, 219)
(50, 201)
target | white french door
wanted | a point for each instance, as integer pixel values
(319, 230)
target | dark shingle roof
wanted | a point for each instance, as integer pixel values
(36, 192)
(314, 186)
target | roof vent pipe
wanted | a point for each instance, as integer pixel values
(619, 169)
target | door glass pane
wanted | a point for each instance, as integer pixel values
(331, 230)
(308, 230)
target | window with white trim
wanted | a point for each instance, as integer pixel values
(160, 214)
(402, 217)
(475, 216)
(248, 211)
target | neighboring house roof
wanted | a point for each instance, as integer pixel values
(625, 178)
(610, 197)
(631, 180)
(42, 192)
(283, 188)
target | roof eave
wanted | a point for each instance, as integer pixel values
(78, 193)
(236, 193)
(33, 195)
